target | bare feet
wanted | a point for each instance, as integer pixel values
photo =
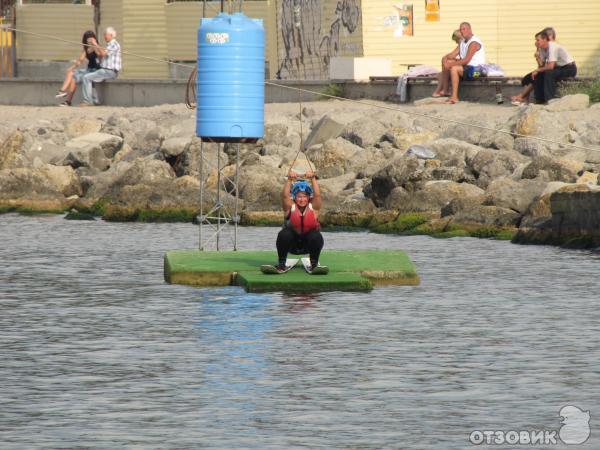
(440, 94)
(451, 101)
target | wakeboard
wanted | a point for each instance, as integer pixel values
(319, 270)
(270, 269)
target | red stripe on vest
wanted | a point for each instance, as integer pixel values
(303, 223)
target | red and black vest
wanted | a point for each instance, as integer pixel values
(302, 223)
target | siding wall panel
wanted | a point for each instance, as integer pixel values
(49, 19)
(505, 26)
(183, 20)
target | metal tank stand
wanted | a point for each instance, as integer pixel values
(218, 225)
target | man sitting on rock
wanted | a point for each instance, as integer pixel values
(471, 56)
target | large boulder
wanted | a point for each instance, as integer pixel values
(94, 150)
(462, 203)
(276, 133)
(189, 161)
(64, 179)
(12, 151)
(98, 185)
(331, 187)
(326, 128)
(573, 102)
(108, 143)
(82, 126)
(401, 172)
(260, 189)
(165, 194)
(146, 171)
(532, 148)
(92, 157)
(175, 146)
(552, 169)
(482, 133)
(515, 195)
(569, 216)
(29, 188)
(435, 195)
(553, 128)
(487, 216)
(336, 157)
(452, 152)
(402, 138)
(364, 132)
(488, 165)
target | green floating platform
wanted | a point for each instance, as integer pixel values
(348, 270)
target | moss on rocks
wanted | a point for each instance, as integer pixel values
(402, 224)
(115, 213)
(493, 233)
(77, 215)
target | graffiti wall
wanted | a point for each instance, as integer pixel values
(311, 32)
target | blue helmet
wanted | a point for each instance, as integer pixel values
(301, 186)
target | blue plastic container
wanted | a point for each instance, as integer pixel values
(231, 79)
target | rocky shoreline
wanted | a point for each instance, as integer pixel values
(409, 172)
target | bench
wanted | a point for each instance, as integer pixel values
(483, 89)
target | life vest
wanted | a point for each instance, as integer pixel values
(303, 223)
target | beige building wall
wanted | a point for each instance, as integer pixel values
(111, 15)
(144, 33)
(309, 36)
(50, 19)
(505, 26)
(183, 20)
(326, 28)
(577, 25)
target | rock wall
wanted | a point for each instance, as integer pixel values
(378, 168)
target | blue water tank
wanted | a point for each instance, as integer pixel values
(231, 79)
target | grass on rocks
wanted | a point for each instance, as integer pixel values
(591, 88)
(332, 89)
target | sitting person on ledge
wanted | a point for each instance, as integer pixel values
(443, 88)
(560, 65)
(541, 56)
(471, 56)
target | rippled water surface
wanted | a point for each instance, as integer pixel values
(98, 352)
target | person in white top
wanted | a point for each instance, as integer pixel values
(470, 52)
(541, 56)
(560, 65)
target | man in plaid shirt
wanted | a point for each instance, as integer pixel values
(110, 65)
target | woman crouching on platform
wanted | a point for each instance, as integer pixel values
(301, 203)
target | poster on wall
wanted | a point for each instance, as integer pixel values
(432, 10)
(403, 20)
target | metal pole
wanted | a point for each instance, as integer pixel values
(201, 216)
(241, 4)
(218, 193)
(204, 8)
(236, 217)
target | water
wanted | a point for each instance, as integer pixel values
(98, 352)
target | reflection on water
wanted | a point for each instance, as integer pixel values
(98, 351)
